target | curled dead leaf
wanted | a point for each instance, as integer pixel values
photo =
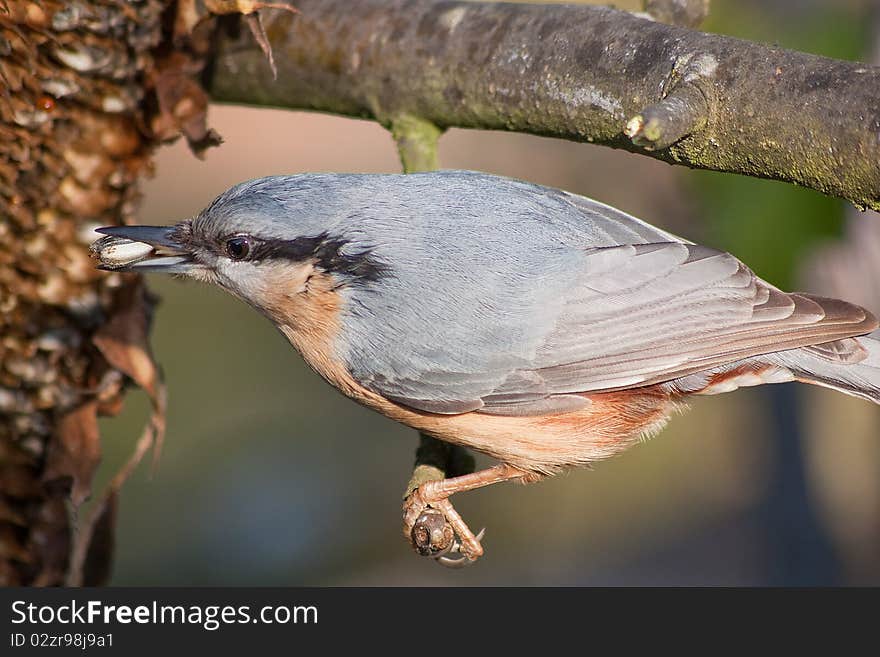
(75, 453)
(123, 341)
(255, 24)
(252, 17)
(182, 105)
(189, 14)
(96, 530)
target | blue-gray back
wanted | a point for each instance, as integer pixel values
(509, 297)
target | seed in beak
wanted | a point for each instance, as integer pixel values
(118, 252)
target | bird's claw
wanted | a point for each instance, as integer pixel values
(436, 530)
(455, 548)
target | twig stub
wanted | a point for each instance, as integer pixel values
(684, 110)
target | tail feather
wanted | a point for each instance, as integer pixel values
(853, 369)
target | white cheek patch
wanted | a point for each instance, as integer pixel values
(244, 279)
(204, 275)
(268, 285)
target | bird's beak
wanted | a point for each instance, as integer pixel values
(143, 249)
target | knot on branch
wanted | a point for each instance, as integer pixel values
(685, 108)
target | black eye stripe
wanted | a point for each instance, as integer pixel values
(299, 249)
(327, 252)
(248, 247)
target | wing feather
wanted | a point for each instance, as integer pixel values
(640, 314)
(511, 298)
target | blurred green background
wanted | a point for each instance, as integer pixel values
(270, 477)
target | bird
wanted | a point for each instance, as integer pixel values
(539, 327)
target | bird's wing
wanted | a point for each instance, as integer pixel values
(631, 316)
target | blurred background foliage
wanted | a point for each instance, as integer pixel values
(270, 477)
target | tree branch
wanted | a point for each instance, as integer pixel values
(416, 143)
(577, 72)
(689, 13)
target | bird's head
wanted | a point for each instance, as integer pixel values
(265, 241)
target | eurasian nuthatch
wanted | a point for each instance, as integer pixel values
(536, 326)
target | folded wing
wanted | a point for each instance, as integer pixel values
(640, 314)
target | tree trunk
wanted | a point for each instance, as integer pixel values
(88, 89)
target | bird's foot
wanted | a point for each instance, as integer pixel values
(432, 524)
(436, 530)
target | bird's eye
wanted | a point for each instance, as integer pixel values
(238, 248)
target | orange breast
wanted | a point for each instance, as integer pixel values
(307, 312)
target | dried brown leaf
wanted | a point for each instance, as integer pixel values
(75, 453)
(123, 340)
(124, 343)
(91, 538)
(255, 23)
(182, 105)
(250, 10)
(189, 14)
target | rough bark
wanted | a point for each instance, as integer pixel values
(87, 90)
(689, 13)
(576, 72)
(69, 155)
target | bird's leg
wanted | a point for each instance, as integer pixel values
(430, 522)
(433, 496)
(431, 535)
